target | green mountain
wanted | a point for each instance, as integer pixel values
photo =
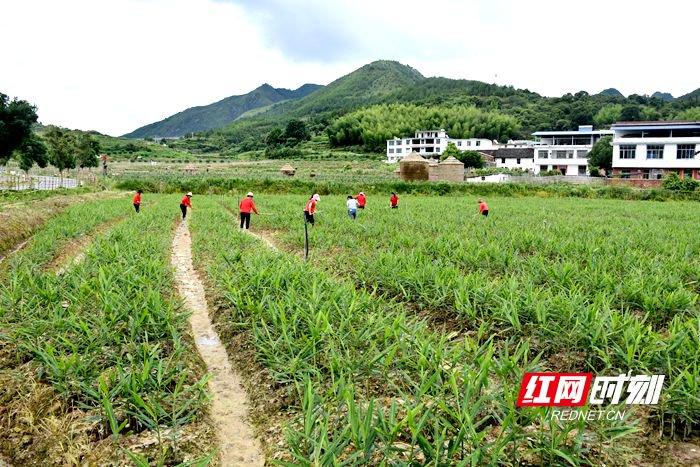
(664, 96)
(611, 92)
(692, 98)
(221, 113)
(366, 85)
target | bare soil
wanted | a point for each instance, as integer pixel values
(229, 407)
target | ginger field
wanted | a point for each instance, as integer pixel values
(402, 340)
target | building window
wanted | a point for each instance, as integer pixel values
(517, 160)
(469, 143)
(582, 170)
(478, 143)
(408, 141)
(628, 151)
(582, 154)
(625, 174)
(543, 168)
(687, 173)
(437, 141)
(391, 151)
(459, 143)
(542, 154)
(655, 151)
(563, 154)
(685, 151)
(391, 143)
(503, 160)
(398, 150)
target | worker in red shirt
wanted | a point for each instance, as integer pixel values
(361, 200)
(137, 200)
(310, 208)
(185, 203)
(483, 208)
(394, 201)
(246, 206)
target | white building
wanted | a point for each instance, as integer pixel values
(432, 144)
(522, 158)
(566, 151)
(648, 150)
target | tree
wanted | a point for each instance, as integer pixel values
(33, 151)
(62, 148)
(451, 150)
(630, 113)
(88, 149)
(296, 132)
(274, 138)
(691, 113)
(16, 120)
(600, 156)
(471, 159)
(607, 115)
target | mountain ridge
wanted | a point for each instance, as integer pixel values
(220, 113)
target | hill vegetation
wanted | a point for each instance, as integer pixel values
(219, 114)
(372, 126)
(345, 110)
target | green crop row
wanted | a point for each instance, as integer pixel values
(603, 286)
(360, 378)
(99, 357)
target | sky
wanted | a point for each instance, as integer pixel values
(115, 65)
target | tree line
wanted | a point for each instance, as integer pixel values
(372, 126)
(61, 148)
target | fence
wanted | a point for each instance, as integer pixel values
(18, 182)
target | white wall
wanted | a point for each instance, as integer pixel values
(669, 160)
(512, 163)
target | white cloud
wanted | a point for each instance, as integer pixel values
(114, 65)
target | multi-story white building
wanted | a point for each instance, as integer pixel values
(432, 144)
(566, 151)
(649, 150)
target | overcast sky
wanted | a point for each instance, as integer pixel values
(115, 65)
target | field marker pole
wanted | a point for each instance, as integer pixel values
(306, 239)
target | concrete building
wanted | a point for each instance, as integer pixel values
(522, 158)
(566, 151)
(649, 150)
(431, 144)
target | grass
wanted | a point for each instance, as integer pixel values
(398, 345)
(105, 346)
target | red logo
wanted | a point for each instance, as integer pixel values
(554, 389)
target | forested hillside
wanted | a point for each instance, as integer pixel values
(219, 114)
(360, 108)
(372, 126)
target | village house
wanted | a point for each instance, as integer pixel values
(650, 150)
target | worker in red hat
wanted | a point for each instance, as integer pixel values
(310, 208)
(361, 200)
(394, 201)
(483, 208)
(186, 203)
(245, 207)
(137, 200)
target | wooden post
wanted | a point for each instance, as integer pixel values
(306, 239)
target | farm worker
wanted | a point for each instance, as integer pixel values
(352, 207)
(361, 200)
(185, 203)
(483, 208)
(394, 201)
(137, 200)
(310, 208)
(246, 206)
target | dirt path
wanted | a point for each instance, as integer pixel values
(238, 445)
(73, 252)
